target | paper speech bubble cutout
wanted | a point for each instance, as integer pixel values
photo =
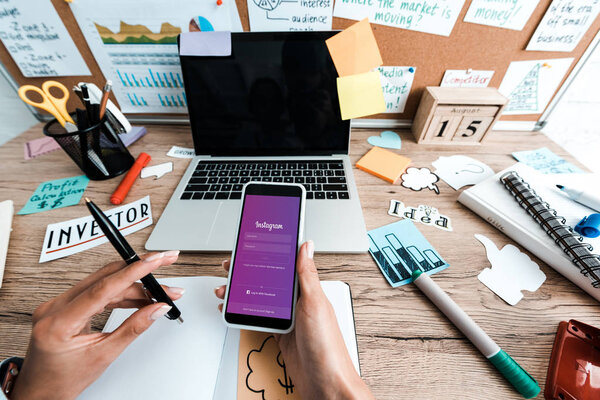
(420, 178)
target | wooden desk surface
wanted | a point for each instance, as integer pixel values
(405, 344)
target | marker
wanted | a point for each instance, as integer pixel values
(587, 199)
(129, 256)
(513, 372)
(125, 185)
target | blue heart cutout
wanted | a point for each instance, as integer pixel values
(387, 139)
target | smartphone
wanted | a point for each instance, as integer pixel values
(263, 284)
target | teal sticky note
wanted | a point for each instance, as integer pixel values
(56, 194)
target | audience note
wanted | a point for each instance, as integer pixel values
(38, 41)
(545, 161)
(430, 16)
(529, 85)
(396, 83)
(69, 237)
(466, 78)
(354, 50)
(399, 249)
(56, 194)
(512, 14)
(360, 95)
(564, 24)
(299, 15)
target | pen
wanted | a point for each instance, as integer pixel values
(129, 255)
(85, 95)
(104, 100)
(508, 367)
(121, 192)
(587, 199)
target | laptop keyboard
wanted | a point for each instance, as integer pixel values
(222, 180)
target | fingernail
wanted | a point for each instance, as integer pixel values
(172, 253)
(154, 257)
(223, 262)
(160, 312)
(310, 248)
(217, 288)
(177, 290)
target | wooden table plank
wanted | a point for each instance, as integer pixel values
(405, 343)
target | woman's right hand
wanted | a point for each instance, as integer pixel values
(314, 352)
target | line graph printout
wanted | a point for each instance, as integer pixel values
(135, 45)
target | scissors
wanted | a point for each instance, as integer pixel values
(55, 106)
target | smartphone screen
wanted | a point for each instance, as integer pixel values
(262, 285)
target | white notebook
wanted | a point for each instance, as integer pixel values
(491, 201)
(193, 360)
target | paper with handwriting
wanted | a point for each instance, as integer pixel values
(286, 15)
(466, 78)
(396, 83)
(512, 14)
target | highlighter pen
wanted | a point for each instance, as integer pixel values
(129, 255)
(587, 199)
(513, 372)
(121, 192)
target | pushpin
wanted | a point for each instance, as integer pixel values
(469, 71)
(219, 2)
(546, 65)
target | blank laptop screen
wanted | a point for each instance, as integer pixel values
(275, 95)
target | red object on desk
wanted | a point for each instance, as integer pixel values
(219, 2)
(574, 370)
(123, 188)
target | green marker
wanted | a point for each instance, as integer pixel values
(508, 367)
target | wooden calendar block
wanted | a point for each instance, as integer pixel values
(457, 115)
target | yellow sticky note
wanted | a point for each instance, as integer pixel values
(355, 50)
(360, 95)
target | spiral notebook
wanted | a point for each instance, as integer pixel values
(494, 203)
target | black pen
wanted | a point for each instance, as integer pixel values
(129, 255)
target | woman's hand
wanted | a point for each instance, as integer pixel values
(314, 352)
(64, 357)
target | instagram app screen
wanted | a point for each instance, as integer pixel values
(262, 283)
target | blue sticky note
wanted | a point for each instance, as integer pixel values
(399, 249)
(545, 161)
(56, 194)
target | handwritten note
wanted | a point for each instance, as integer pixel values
(360, 95)
(430, 16)
(181, 152)
(564, 24)
(466, 78)
(284, 15)
(545, 161)
(354, 50)
(37, 40)
(69, 237)
(56, 194)
(529, 85)
(396, 83)
(511, 14)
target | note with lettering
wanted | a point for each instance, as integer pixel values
(509, 14)
(396, 83)
(545, 161)
(69, 237)
(529, 85)
(430, 16)
(56, 194)
(286, 15)
(466, 78)
(564, 24)
(38, 41)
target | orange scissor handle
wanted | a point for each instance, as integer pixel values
(59, 102)
(54, 105)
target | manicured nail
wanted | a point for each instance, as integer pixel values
(177, 290)
(160, 312)
(154, 257)
(223, 262)
(172, 253)
(217, 288)
(310, 248)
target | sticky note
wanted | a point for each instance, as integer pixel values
(56, 194)
(354, 50)
(360, 95)
(210, 43)
(383, 164)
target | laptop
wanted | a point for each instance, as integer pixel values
(267, 113)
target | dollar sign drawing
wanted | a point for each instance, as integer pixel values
(57, 202)
(287, 381)
(42, 204)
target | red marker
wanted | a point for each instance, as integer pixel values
(219, 2)
(123, 188)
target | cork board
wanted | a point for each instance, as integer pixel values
(469, 46)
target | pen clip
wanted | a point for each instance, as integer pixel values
(148, 294)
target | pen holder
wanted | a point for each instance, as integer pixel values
(97, 150)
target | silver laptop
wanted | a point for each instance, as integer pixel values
(270, 113)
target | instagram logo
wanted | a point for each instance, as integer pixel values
(266, 225)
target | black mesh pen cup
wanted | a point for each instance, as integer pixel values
(97, 150)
